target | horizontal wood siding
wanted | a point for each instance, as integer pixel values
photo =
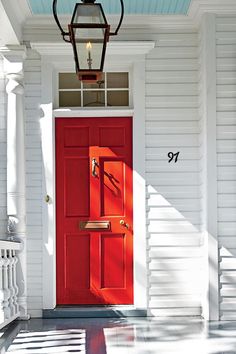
(3, 154)
(226, 154)
(32, 68)
(173, 189)
(164, 37)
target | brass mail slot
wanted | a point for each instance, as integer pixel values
(93, 225)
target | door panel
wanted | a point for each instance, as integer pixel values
(76, 186)
(111, 137)
(77, 255)
(113, 261)
(76, 136)
(94, 184)
(112, 187)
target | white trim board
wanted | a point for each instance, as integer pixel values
(49, 68)
(132, 48)
(13, 14)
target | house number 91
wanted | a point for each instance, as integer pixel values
(173, 156)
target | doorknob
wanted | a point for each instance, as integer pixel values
(47, 198)
(123, 223)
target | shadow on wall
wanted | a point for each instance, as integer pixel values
(175, 250)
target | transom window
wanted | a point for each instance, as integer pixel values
(111, 91)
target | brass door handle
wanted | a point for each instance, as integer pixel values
(94, 165)
(123, 223)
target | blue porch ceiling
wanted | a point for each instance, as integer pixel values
(136, 7)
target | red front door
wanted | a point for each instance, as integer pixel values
(94, 201)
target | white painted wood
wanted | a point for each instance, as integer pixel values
(10, 283)
(172, 114)
(139, 184)
(6, 290)
(172, 64)
(175, 302)
(68, 113)
(165, 76)
(13, 67)
(14, 281)
(34, 199)
(174, 240)
(211, 307)
(177, 141)
(113, 48)
(173, 289)
(174, 195)
(172, 89)
(2, 314)
(174, 52)
(226, 148)
(3, 149)
(9, 302)
(175, 252)
(174, 264)
(9, 34)
(176, 312)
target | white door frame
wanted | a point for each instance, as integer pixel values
(133, 61)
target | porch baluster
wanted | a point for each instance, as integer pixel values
(2, 315)
(10, 282)
(15, 302)
(6, 289)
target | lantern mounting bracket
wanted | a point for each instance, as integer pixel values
(63, 33)
(121, 19)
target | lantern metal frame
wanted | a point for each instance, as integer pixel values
(69, 37)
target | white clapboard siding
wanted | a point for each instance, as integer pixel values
(32, 68)
(226, 154)
(3, 150)
(165, 38)
(173, 189)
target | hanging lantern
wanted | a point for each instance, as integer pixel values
(88, 33)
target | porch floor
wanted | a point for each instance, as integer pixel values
(120, 336)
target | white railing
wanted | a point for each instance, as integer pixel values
(9, 307)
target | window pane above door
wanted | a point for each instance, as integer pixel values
(111, 91)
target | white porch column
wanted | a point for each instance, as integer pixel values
(211, 308)
(13, 65)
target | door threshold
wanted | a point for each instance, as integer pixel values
(117, 311)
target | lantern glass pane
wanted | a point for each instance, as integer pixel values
(89, 45)
(89, 34)
(92, 60)
(90, 14)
